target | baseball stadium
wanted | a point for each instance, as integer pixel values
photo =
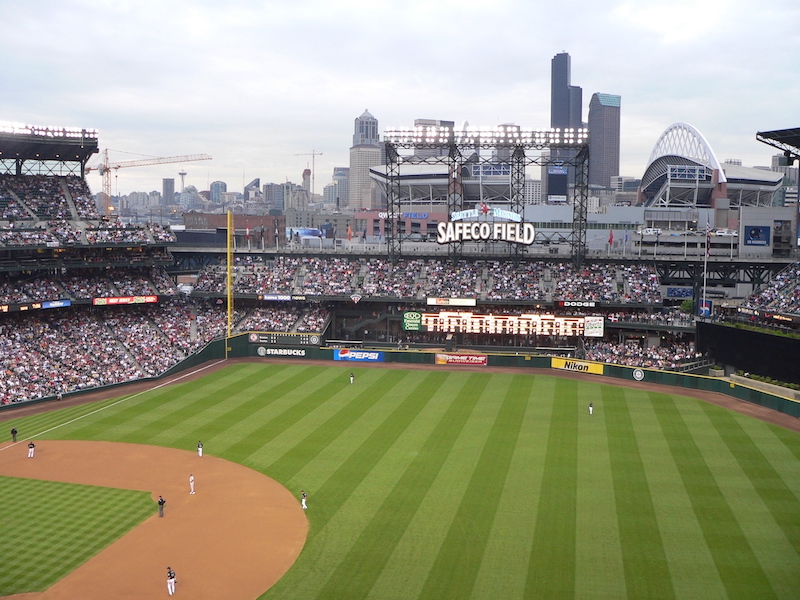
(465, 397)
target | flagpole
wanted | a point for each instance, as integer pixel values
(705, 268)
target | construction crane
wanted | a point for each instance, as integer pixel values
(313, 154)
(104, 168)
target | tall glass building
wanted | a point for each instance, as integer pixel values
(603, 138)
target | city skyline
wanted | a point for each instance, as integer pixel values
(256, 85)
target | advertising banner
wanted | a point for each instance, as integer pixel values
(452, 302)
(461, 359)
(358, 355)
(593, 326)
(116, 300)
(290, 352)
(756, 235)
(412, 321)
(580, 366)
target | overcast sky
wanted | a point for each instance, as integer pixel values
(255, 84)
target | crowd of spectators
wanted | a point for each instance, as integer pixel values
(47, 210)
(42, 194)
(85, 206)
(386, 280)
(633, 354)
(780, 294)
(328, 276)
(59, 351)
(87, 284)
(485, 280)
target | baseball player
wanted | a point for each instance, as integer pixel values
(191, 483)
(591, 408)
(14, 434)
(303, 497)
(161, 503)
(171, 581)
(199, 448)
(31, 449)
(352, 378)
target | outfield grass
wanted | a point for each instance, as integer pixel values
(445, 484)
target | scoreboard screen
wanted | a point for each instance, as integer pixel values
(524, 324)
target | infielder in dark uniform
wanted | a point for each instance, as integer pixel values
(171, 581)
(161, 503)
(13, 434)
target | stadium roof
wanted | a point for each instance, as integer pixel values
(28, 142)
(683, 170)
(787, 140)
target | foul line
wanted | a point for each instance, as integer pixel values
(160, 385)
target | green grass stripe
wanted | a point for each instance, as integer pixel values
(40, 545)
(273, 410)
(357, 573)
(178, 406)
(766, 508)
(551, 573)
(351, 473)
(774, 492)
(306, 449)
(599, 571)
(456, 566)
(691, 566)
(505, 561)
(736, 563)
(647, 574)
(141, 413)
(345, 500)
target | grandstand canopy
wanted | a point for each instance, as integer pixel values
(787, 140)
(24, 145)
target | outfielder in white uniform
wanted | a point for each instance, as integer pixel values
(591, 408)
(199, 449)
(191, 483)
(171, 581)
(303, 499)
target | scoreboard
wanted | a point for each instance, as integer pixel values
(524, 324)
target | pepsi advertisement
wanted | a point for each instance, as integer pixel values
(358, 355)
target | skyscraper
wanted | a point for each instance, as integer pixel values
(565, 113)
(366, 130)
(365, 153)
(168, 191)
(565, 99)
(604, 115)
(217, 189)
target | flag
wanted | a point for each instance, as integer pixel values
(247, 233)
(610, 237)
(349, 233)
(708, 238)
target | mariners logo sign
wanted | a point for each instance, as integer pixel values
(511, 229)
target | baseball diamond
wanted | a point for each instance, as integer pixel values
(428, 481)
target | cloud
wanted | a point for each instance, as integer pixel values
(256, 83)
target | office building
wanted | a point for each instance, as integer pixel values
(168, 191)
(604, 110)
(365, 153)
(217, 188)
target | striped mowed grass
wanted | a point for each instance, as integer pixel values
(448, 484)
